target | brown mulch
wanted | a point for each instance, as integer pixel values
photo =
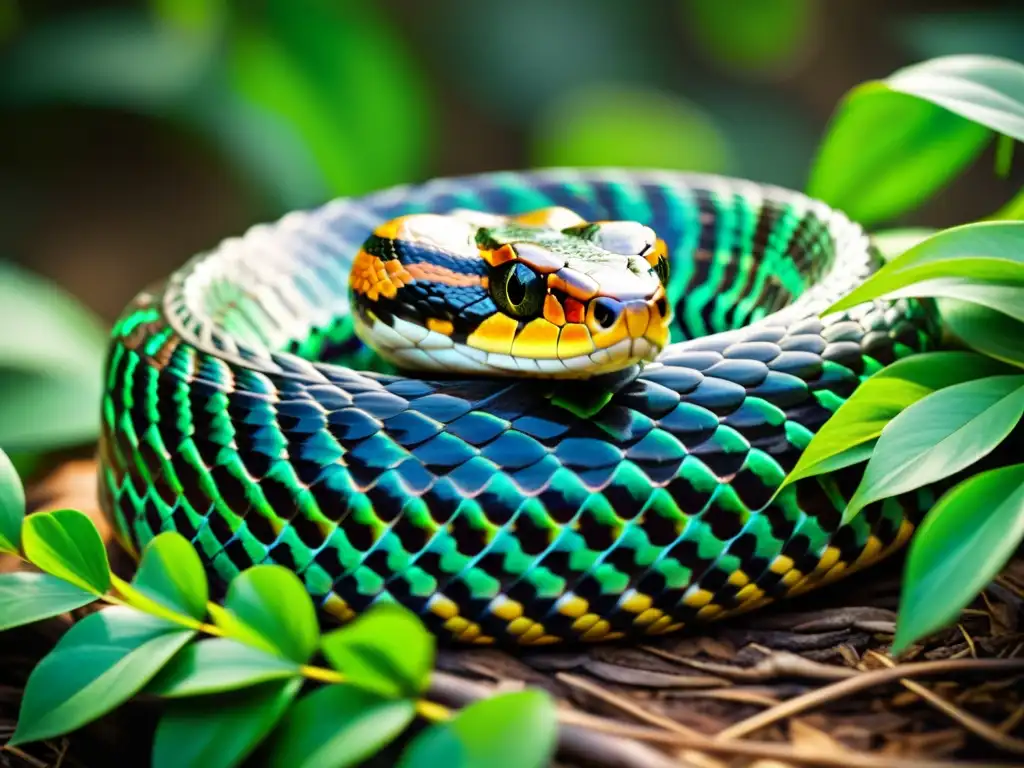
(806, 682)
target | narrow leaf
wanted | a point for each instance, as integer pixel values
(172, 574)
(989, 332)
(67, 544)
(386, 650)
(29, 597)
(491, 733)
(861, 419)
(220, 731)
(97, 665)
(267, 606)
(988, 250)
(218, 665)
(963, 543)
(338, 726)
(938, 436)
(12, 505)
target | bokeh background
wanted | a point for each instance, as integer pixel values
(135, 133)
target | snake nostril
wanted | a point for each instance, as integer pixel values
(605, 313)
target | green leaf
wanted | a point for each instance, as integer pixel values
(98, 664)
(861, 419)
(51, 370)
(938, 436)
(386, 650)
(172, 574)
(337, 726)
(267, 606)
(220, 731)
(217, 665)
(1008, 299)
(598, 126)
(944, 108)
(29, 597)
(66, 543)
(515, 730)
(983, 251)
(893, 242)
(962, 544)
(985, 330)
(12, 505)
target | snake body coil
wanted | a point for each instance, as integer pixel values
(243, 410)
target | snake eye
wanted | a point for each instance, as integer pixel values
(517, 290)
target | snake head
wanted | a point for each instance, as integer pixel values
(543, 294)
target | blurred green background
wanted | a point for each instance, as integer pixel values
(137, 133)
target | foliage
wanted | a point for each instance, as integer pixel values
(926, 123)
(927, 418)
(247, 679)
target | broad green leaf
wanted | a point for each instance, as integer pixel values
(598, 126)
(51, 369)
(268, 606)
(217, 665)
(337, 726)
(98, 664)
(12, 505)
(1008, 299)
(938, 436)
(962, 544)
(172, 574)
(984, 251)
(386, 650)
(66, 543)
(29, 597)
(860, 420)
(893, 242)
(985, 330)
(220, 731)
(944, 108)
(753, 35)
(515, 730)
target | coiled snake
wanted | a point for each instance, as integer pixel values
(444, 395)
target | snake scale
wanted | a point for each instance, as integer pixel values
(531, 407)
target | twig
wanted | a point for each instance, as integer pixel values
(761, 749)
(859, 683)
(775, 664)
(975, 725)
(582, 744)
(624, 704)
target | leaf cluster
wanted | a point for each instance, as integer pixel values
(240, 676)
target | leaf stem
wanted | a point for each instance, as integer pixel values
(1004, 155)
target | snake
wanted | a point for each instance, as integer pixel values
(539, 407)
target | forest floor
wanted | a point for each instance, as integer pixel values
(808, 682)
